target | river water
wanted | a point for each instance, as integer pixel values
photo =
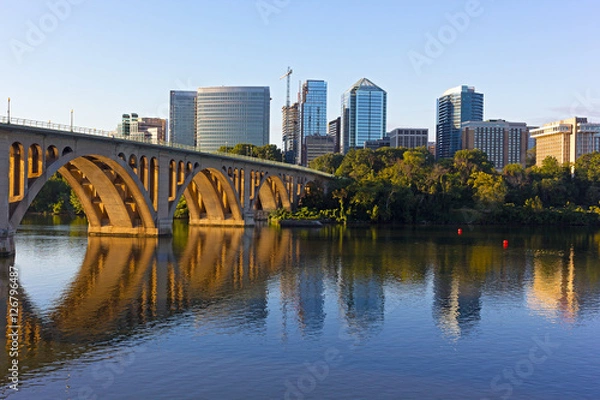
(331, 313)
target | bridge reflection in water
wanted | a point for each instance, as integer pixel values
(223, 276)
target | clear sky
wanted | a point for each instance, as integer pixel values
(535, 61)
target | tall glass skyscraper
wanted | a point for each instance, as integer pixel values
(182, 117)
(232, 115)
(313, 112)
(364, 114)
(457, 105)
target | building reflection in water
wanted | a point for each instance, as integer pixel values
(360, 285)
(220, 278)
(552, 292)
(457, 290)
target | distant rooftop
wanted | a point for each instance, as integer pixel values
(366, 84)
(459, 89)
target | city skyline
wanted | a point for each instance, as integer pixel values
(59, 56)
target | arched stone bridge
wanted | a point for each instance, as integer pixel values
(132, 188)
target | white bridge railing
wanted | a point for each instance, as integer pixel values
(142, 139)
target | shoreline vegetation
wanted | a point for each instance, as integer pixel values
(408, 187)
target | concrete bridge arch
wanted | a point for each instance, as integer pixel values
(129, 188)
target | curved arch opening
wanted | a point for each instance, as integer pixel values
(273, 195)
(51, 155)
(108, 194)
(35, 161)
(212, 200)
(16, 173)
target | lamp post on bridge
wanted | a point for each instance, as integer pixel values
(71, 120)
(8, 111)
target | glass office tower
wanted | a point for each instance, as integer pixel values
(313, 112)
(232, 115)
(314, 108)
(364, 115)
(457, 105)
(182, 117)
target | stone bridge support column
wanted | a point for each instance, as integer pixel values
(7, 232)
(164, 224)
(248, 207)
(294, 192)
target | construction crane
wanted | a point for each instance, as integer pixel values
(285, 129)
(287, 75)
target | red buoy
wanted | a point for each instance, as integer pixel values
(460, 231)
(505, 243)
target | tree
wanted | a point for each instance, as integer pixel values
(552, 183)
(490, 190)
(266, 152)
(518, 183)
(587, 179)
(269, 152)
(390, 156)
(328, 163)
(467, 162)
(359, 164)
(54, 197)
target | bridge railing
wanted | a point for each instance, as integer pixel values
(54, 126)
(144, 139)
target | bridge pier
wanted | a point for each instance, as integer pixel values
(7, 243)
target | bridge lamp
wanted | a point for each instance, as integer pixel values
(71, 120)
(8, 112)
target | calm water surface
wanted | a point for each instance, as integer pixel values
(334, 313)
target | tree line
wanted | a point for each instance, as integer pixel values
(409, 186)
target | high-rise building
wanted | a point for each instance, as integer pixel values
(503, 142)
(182, 117)
(364, 115)
(335, 129)
(232, 115)
(566, 140)
(151, 130)
(317, 146)
(154, 128)
(457, 105)
(129, 126)
(409, 137)
(378, 143)
(291, 133)
(313, 110)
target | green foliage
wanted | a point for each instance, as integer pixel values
(490, 190)
(76, 205)
(328, 163)
(55, 197)
(181, 211)
(266, 152)
(518, 184)
(467, 162)
(269, 152)
(407, 186)
(587, 179)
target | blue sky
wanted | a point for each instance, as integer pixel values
(535, 61)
